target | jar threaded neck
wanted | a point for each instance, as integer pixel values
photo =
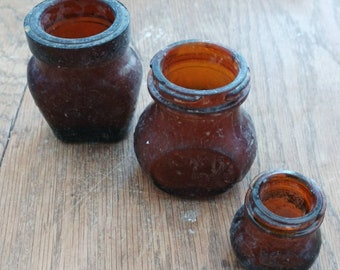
(199, 77)
(285, 203)
(77, 33)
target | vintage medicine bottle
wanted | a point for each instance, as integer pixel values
(83, 75)
(278, 225)
(194, 140)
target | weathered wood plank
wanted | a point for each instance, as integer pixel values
(89, 206)
(13, 56)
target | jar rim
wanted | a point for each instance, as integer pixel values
(272, 222)
(34, 29)
(78, 52)
(237, 90)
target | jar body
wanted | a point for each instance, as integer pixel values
(259, 250)
(83, 76)
(282, 233)
(87, 104)
(186, 148)
(194, 155)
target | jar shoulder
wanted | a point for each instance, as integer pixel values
(234, 125)
(128, 65)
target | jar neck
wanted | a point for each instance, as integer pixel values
(175, 113)
(285, 203)
(199, 77)
(77, 33)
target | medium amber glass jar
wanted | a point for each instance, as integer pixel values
(83, 75)
(194, 140)
(278, 225)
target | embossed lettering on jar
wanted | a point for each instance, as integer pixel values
(278, 225)
(83, 75)
(195, 140)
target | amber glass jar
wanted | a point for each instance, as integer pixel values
(278, 225)
(83, 75)
(194, 140)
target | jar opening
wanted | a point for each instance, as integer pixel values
(77, 19)
(284, 196)
(198, 67)
(285, 201)
(199, 77)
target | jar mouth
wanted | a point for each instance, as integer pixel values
(76, 24)
(284, 201)
(199, 76)
(200, 66)
(76, 19)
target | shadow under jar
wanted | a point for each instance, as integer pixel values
(83, 75)
(194, 140)
(278, 225)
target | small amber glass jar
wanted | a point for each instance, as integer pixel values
(194, 140)
(83, 75)
(278, 225)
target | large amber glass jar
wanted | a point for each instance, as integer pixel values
(278, 225)
(83, 75)
(194, 140)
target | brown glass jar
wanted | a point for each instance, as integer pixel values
(194, 140)
(83, 75)
(278, 225)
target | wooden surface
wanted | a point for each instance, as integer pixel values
(89, 206)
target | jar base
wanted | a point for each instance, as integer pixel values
(194, 173)
(82, 135)
(192, 193)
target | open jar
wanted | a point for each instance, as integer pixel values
(278, 225)
(194, 140)
(83, 75)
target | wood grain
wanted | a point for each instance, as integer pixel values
(89, 206)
